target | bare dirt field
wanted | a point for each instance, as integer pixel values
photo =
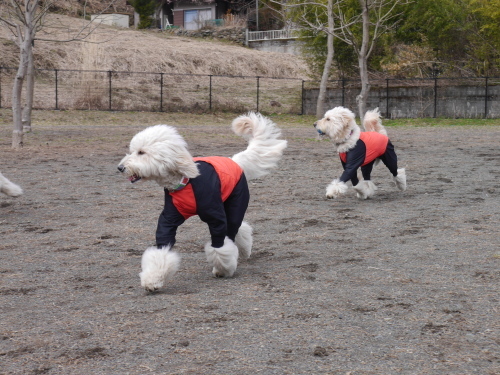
(404, 283)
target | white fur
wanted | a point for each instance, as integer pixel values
(339, 124)
(9, 188)
(400, 179)
(160, 154)
(244, 240)
(336, 189)
(264, 148)
(224, 259)
(373, 123)
(365, 189)
(157, 266)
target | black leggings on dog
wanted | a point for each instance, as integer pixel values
(389, 158)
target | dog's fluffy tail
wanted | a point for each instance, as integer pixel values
(373, 123)
(264, 149)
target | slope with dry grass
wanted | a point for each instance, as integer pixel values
(111, 48)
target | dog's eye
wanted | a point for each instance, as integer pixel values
(141, 152)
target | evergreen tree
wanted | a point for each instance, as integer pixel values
(146, 9)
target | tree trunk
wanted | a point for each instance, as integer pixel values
(17, 134)
(321, 103)
(30, 88)
(362, 98)
(25, 37)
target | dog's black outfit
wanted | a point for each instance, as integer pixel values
(370, 146)
(219, 196)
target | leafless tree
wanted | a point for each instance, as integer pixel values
(374, 18)
(24, 19)
(377, 17)
(310, 15)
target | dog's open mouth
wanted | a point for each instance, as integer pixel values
(134, 178)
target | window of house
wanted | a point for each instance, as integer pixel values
(195, 19)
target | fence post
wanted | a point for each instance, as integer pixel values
(210, 93)
(435, 96)
(486, 98)
(258, 78)
(343, 92)
(57, 89)
(161, 92)
(109, 75)
(387, 99)
(302, 110)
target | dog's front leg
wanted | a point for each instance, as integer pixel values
(157, 266)
(336, 189)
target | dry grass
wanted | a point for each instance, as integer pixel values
(112, 48)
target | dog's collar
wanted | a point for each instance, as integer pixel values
(345, 139)
(181, 185)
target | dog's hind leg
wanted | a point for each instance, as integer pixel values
(224, 259)
(400, 179)
(244, 240)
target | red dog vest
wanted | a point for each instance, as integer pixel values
(375, 143)
(229, 174)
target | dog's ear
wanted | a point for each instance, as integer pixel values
(186, 166)
(346, 118)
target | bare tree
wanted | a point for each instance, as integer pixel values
(376, 18)
(24, 19)
(310, 15)
(373, 16)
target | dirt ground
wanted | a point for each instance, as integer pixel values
(404, 283)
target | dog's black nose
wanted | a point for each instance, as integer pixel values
(121, 168)
(316, 123)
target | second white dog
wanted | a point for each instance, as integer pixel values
(214, 188)
(359, 150)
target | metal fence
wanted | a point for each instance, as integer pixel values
(164, 92)
(141, 91)
(272, 34)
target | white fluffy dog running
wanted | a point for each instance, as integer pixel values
(9, 188)
(214, 188)
(359, 149)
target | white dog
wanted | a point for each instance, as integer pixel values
(214, 188)
(359, 149)
(9, 188)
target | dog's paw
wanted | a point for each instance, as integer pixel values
(365, 189)
(224, 259)
(400, 179)
(336, 189)
(157, 266)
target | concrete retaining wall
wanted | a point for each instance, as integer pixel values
(416, 102)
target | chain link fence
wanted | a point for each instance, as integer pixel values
(164, 92)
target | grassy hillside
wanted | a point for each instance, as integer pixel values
(111, 48)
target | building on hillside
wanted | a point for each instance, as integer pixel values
(195, 14)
